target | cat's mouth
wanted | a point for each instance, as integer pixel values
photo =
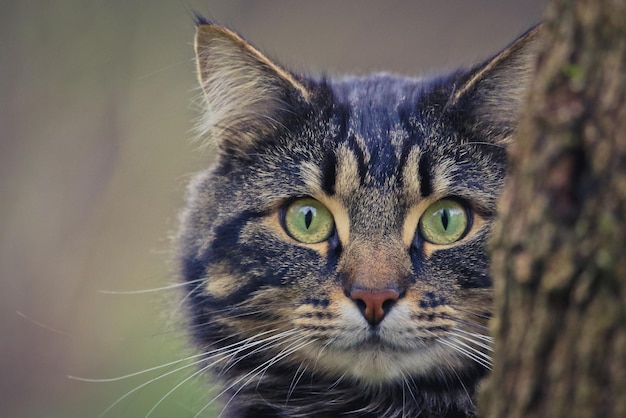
(376, 359)
(381, 342)
(374, 341)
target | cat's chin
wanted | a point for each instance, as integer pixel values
(376, 363)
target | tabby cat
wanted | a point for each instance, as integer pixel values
(335, 254)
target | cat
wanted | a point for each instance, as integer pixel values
(334, 256)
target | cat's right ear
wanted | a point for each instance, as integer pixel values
(247, 96)
(491, 95)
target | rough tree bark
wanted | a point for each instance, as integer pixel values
(559, 250)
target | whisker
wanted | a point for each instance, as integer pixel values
(296, 379)
(244, 332)
(237, 311)
(42, 325)
(484, 143)
(142, 291)
(486, 338)
(482, 315)
(320, 352)
(191, 292)
(268, 341)
(337, 382)
(469, 352)
(468, 355)
(486, 347)
(265, 366)
(206, 354)
(469, 397)
(149, 382)
(137, 373)
(275, 359)
(253, 373)
(468, 323)
(188, 378)
(474, 350)
(222, 353)
(405, 381)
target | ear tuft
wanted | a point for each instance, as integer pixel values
(246, 95)
(494, 91)
(201, 20)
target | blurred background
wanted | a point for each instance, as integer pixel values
(96, 111)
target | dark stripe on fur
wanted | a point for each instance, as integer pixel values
(423, 168)
(329, 170)
(360, 158)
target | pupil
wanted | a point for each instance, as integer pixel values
(444, 219)
(308, 218)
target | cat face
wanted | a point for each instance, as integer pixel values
(341, 233)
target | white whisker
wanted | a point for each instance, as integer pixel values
(265, 366)
(486, 338)
(191, 292)
(151, 290)
(268, 342)
(296, 379)
(473, 341)
(474, 350)
(469, 397)
(149, 382)
(468, 323)
(138, 373)
(255, 372)
(42, 325)
(485, 362)
(188, 378)
(221, 354)
(490, 144)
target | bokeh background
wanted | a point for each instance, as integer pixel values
(96, 110)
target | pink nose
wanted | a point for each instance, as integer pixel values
(374, 304)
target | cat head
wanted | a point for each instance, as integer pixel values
(342, 228)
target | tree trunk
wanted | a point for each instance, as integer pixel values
(559, 249)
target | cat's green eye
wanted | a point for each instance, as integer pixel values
(444, 222)
(308, 221)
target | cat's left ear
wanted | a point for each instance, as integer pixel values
(491, 94)
(247, 96)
